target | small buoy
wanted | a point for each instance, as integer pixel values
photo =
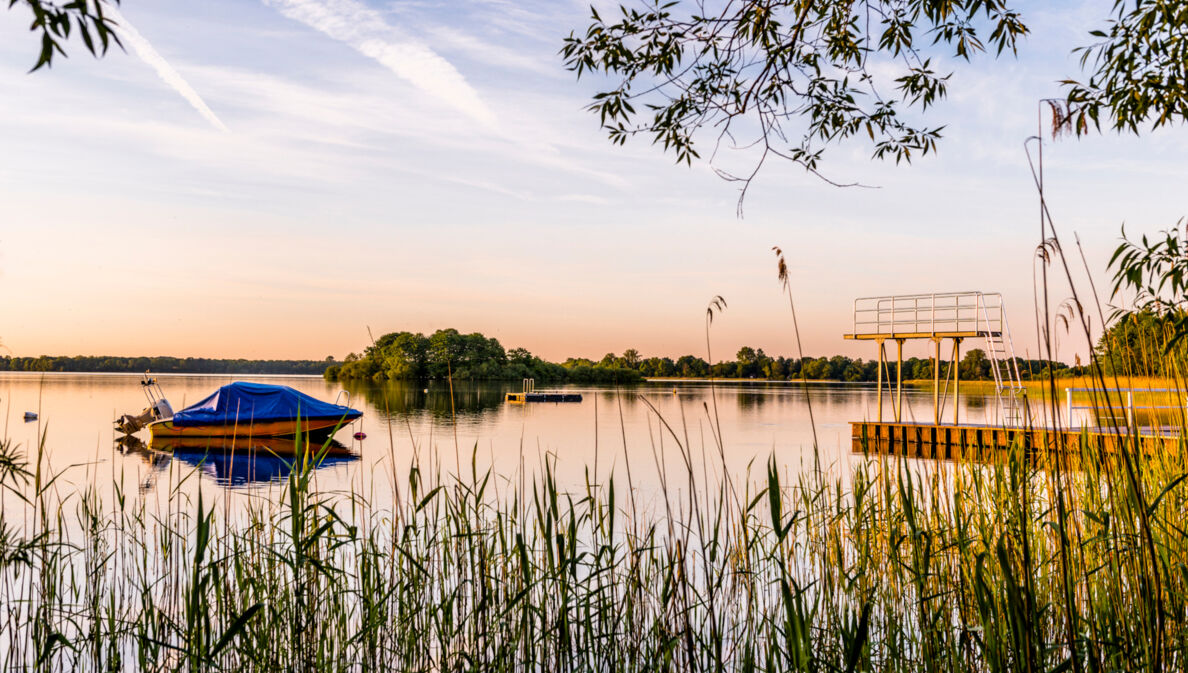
(30, 415)
(360, 435)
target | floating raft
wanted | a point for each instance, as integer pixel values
(948, 441)
(523, 398)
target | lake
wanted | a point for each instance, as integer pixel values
(643, 428)
(130, 541)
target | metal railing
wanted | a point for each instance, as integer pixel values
(975, 312)
(1128, 406)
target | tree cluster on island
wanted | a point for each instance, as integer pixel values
(448, 353)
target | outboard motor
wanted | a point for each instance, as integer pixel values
(158, 408)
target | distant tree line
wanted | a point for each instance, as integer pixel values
(161, 364)
(408, 355)
(753, 363)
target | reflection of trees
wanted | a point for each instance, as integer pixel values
(611, 399)
(404, 398)
(751, 399)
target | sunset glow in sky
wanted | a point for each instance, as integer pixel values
(269, 179)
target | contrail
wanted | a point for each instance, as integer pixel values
(367, 32)
(131, 37)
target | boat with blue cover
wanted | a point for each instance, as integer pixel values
(241, 409)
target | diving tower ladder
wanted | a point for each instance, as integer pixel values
(957, 316)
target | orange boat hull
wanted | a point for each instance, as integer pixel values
(314, 428)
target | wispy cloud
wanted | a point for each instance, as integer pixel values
(367, 32)
(491, 53)
(132, 37)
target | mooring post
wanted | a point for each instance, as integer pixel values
(1068, 406)
(898, 380)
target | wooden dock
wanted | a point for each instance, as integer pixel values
(523, 398)
(958, 317)
(529, 393)
(948, 441)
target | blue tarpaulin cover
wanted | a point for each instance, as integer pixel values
(245, 402)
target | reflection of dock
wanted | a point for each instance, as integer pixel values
(927, 440)
(530, 394)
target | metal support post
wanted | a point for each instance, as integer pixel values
(899, 380)
(936, 383)
(956, 379)
(879, 378)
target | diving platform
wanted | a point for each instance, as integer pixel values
(958, 317)
(935, 315)
(939, 317)
(918, 335)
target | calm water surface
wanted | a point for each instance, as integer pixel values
(643, 428)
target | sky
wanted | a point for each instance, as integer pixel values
(272, 179)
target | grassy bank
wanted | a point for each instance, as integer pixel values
(1027, 564)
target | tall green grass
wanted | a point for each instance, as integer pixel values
(1032, 562)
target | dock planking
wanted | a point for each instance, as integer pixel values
(949, 441)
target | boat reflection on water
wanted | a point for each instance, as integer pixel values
(131, 445)
(240, 469)
(232, 462)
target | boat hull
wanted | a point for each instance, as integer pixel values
(316, 429)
